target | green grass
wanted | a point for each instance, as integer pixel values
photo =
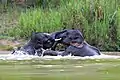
(60, 70)
(92, 17)
(98, 20)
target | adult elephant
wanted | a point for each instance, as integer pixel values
(75, 44)
(66, 36)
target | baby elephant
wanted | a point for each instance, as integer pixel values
(37, 43)
(83, 49)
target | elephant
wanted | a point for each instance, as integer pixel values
(82, 50)
(38, 42)
(67, 36)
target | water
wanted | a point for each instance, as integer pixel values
(26, 67)
(21, 56)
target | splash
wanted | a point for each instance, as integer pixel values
(23, 56)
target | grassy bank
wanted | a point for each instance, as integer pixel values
(98, 20)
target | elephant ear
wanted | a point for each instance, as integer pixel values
(33, 35)
(80, 32)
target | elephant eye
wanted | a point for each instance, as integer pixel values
(39, 41)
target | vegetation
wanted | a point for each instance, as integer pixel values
(97, 19)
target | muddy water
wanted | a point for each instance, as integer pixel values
(25, 67)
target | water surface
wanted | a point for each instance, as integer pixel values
(24, 67)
